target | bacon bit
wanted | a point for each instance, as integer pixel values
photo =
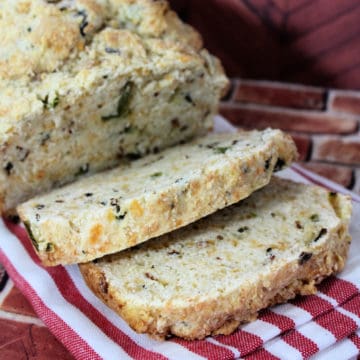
(151, 277)
(173, 252)
(304, 257)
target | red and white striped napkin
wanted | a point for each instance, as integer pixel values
(322, 326)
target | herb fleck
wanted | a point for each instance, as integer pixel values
(55, 101)
(49, 247)
(9, 168)
(89, 194)
(84, 23)
(155, 175)
(251, 215)
(189, 99)
(123, 103)
(83, 169)
(39, 206)
(221, 149)
(267, 163)
(50, 104)
(31, 235)
(243, 229)
(314, 217)
(322, 232)
(121, 216)
(280, 164)
(133, 156)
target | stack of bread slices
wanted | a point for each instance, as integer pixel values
(190, 239)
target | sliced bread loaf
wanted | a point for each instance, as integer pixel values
(84, 83)
(120, 208)
(217, 273)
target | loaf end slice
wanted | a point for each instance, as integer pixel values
(92, 82)
(112, 211)
(215, 274)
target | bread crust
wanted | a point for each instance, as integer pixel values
(172, 195)
(196, 319)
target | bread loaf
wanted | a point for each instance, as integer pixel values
(84, 83)
(111, 211)
(217, 273)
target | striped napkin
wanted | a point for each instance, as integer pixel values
(321, 326)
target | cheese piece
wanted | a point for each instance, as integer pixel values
(209, 277)
(120, 208)
(84, 83)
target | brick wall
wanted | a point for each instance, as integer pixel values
(323, 122)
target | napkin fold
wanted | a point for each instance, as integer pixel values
(321, 326)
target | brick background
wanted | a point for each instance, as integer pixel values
(323, 122)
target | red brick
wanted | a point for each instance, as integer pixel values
(303, 144)
(28, 341)
(277, 94)
(300, 121)
(344, 102)
(16, 302)
(3, 277)
(336, 149)
(339, 174)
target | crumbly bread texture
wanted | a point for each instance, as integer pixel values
(111, 211)
(217, 273)
(84, 83)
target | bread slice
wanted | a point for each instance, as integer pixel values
(115, 210)
(84, 83)
(217, 273)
